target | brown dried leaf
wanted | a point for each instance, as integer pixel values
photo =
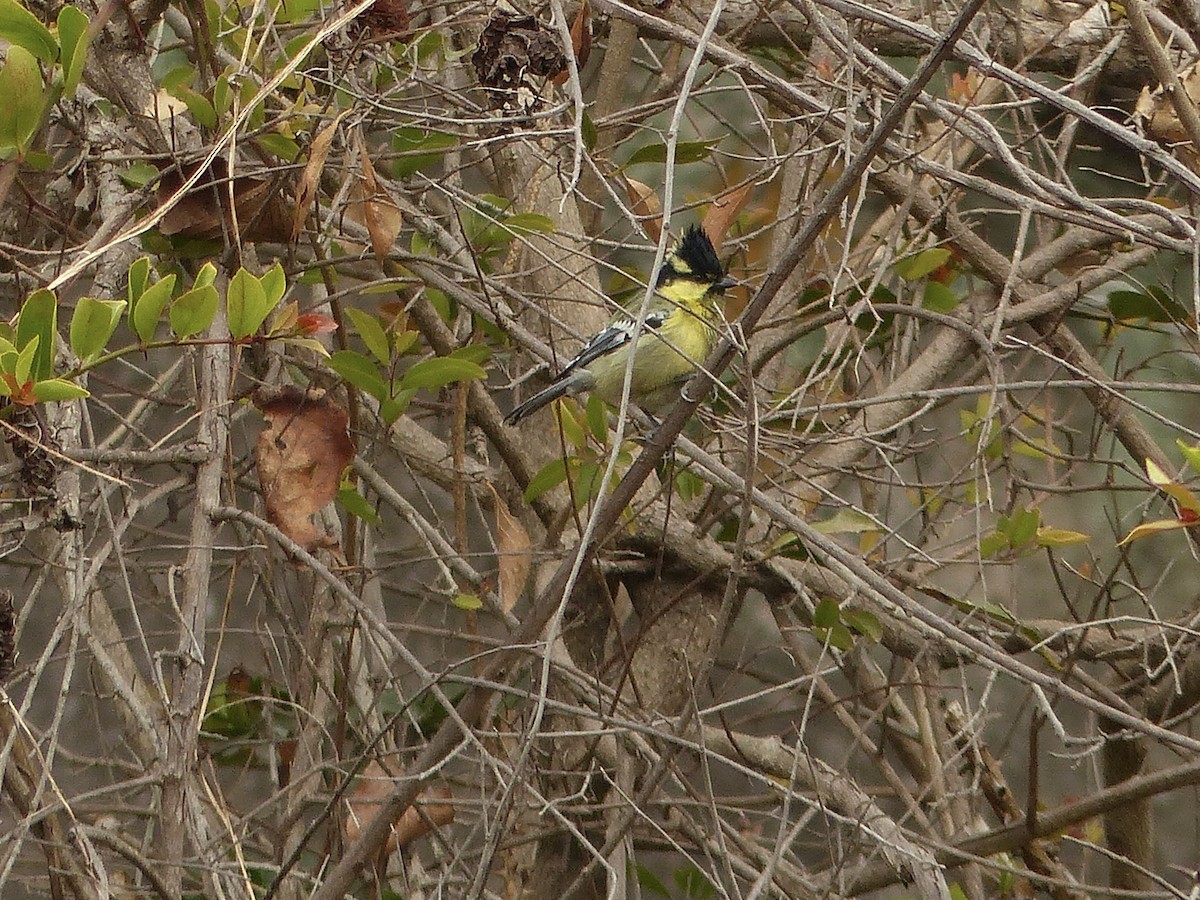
(386, 19)
(1157, 112)
(300, 456)
(370, 791)
(724, 210)
(581, 41)
(285, 752)
(310, 178)
(372, 206)
(644, 202)
(204, 211)
(513, 548)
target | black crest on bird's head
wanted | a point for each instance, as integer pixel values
(693, 258)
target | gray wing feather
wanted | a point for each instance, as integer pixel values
(609, 339)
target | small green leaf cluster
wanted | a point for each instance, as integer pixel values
(26, 95)
(925, 265)
(1151, 305)
(586, 436)
(417, 149)
(1022, 533)
(27, 351)
(490, 226)
(685, 152)
(249, 300)
(836, 626)
(376, 374)
(27, 355)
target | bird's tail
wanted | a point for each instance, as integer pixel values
(538, 400)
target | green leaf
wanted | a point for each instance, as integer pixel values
(939, 298)
(685, 152)
(1024, 526)
(193, 311)
(467, 602)
(531, 223)
(23, 367)
(549, 476)
(223, 95)
(93, 323)
(356, 504)
(39, 319)
(418, 149)
(372, 334)
(1154, 305)
(436, 373)
(597, 418)
(23, 29)
(847, 521)
(274, 283)
(54, 390)
(72, 34)
(590, 135)
(689, 485)
(476, 353)
(24, 98)
(393, 407)
(139, 174)
(405, 341)
(145, 313)
(206, 276)
(279, 144)
(139, 277)
(992, 544)
(360, 372)
(865, 623)
(198, 105)
(648, 881)
(917, 266)
(1060, 537)
(827, 614)
(1191, 455)
(247, 306)
(588, 482)
(838, 637)
(38, 160)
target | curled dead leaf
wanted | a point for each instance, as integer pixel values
(1156, 113)
(371, 204)
(386, 19)
(206, 212)
(310, 178)
(581, 41)
(644, 202)
(513, 548)
(374, 786)
(300, 456)
(723, 212)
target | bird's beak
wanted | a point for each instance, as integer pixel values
(727, 282)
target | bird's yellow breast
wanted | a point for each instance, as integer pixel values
(666, 357)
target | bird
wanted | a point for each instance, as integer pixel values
(680, 331)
